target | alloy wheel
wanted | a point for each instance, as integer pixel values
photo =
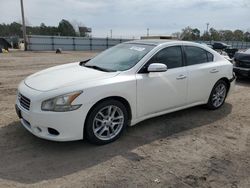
(108, 122)
(219, 95)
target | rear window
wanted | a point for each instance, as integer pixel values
(196, 55)
(210, 57)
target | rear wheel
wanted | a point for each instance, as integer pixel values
(106, 122)
(218, 95)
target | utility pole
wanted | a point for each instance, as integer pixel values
(147, 32)
(207, 26)
(111, 33)
(24, 27)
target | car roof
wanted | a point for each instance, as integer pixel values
(157, 42)
(153, 42)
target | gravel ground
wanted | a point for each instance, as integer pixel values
(190, 148)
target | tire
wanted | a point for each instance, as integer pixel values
(218, 95)
(106, 122)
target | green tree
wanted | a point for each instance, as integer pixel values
(214, 34)
(43, 29)
(15, 29)
(189, 34)
(226, 35)
(66, 29)
(186, 33)
(247, 36)
(238, 35)
(206, 36)
(196, 34)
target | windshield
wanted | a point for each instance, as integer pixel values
(121, 57)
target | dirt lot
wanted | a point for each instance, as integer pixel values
(190, 148)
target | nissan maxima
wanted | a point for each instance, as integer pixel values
(98, 98)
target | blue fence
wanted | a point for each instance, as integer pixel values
(47, 43)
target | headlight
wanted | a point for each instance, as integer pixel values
(61, 103)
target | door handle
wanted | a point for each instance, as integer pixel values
(214, 71)
(181, 77)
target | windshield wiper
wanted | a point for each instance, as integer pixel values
(99, 68)
(84, 62)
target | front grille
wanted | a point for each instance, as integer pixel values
(242, 64)
(24, 101)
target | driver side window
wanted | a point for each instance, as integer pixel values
(170, 56)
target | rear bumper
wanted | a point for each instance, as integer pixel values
(245, 72)
(232, 84)
(233, 78)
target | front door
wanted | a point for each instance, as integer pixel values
(160, 91)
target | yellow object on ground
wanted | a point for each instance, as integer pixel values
(5, 51)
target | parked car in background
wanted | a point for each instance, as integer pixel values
(208, 45)
(242, 63)
(220, 51)
(4, 44)
(231, 52)
(133, 81)
(225, 55)
(220, 46)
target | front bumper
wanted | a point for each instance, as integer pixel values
(69, 125)
(240, 71)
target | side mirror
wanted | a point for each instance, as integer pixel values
(157, 67)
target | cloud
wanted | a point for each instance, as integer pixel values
(130, 18)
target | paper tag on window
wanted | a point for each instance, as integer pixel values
(140, 49)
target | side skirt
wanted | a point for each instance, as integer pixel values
(135, 121)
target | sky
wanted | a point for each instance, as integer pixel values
(131, 18)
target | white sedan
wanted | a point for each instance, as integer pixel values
(133, 81)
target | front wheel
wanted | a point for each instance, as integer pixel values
(218, 95)
(106, 122)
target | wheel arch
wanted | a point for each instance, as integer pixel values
(227, 82)
(118, 98)
(225, 79)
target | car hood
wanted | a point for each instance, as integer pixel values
(65, 75)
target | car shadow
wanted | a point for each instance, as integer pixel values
(28, 159)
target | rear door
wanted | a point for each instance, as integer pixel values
(203, 73)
